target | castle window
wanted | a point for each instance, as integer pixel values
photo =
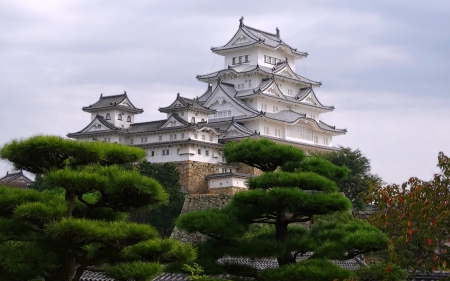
(195, 136)
(171, 137)
(119, 117)
(174, 136)
(131, 141)
(207, 152)
(153, 153)
(108, 117)
(160, 138)
(246, 58)
(199, 151)
(164, 152)
(129, 118)
(203, 120)
(193, 120)
(167, 152)
(203, 137)
(182, 135)
(210, 138)
(266, 131)
(234, 60)
(240, 59)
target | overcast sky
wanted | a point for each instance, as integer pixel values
(384, 65)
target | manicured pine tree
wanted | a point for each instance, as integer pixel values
(82, 224)
(265, 220)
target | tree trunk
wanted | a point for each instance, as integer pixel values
(68, 268)
(281, 233)
(70, 198)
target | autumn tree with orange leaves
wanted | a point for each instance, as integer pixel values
(415, 215)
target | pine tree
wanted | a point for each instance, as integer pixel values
(283, 215)
(81, 225)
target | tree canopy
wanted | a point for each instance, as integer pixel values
(415, 215)
(359, 177)
(82, 223)
(162, 217)
(279, 215)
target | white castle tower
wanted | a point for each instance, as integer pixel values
(257, 95)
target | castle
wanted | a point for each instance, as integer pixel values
(257, 94)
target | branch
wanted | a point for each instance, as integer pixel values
(95, 268)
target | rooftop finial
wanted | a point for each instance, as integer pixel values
(241, 21)
(125, 92)
(278, 32)
(101, 95)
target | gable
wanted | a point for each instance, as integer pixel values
(240, 40)
(233, 132)
(125, 103)
(287, 72)
(96, 126)
(220, 101)
(171, 122)
(274, 91)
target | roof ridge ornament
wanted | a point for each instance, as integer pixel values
(241, 21)
(101, 95)
(124, 92)
(278, 32)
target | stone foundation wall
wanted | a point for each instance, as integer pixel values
(226, 190)
(199, 202)
(246, 169)
(192, 175)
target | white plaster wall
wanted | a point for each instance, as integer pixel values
(182, 153)
(279, 54)
(227, 182)
(114, 113)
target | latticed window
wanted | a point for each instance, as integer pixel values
(300, 132)
(108, 117)
(119, 117)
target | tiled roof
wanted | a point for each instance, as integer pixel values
(109, 127)
(10, 178)
(185, 103)
(327, 127)
(285, 116)
(165, 276)
(258, 37)
(109, 102)
(246, 68)
(229, 174)
(206, 95)
(230, 91)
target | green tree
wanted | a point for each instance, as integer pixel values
(264, 221)
(163, 217)
(359, 177)
(59, 234)
(415, 215)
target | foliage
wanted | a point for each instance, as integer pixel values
(359, 179)
(82, 224)
(276, 216)
(163, 217)
(415, 216)
(379, 272)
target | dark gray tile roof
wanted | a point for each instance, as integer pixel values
(109, 102)
(185, 103)
(9, 179)
(245, 68)
(206, 95)
(285, 116)
(230, 91)
(229, 174)
(258, 37)
(108, 128)
(327, 127)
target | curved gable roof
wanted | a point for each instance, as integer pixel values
(110, 102)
